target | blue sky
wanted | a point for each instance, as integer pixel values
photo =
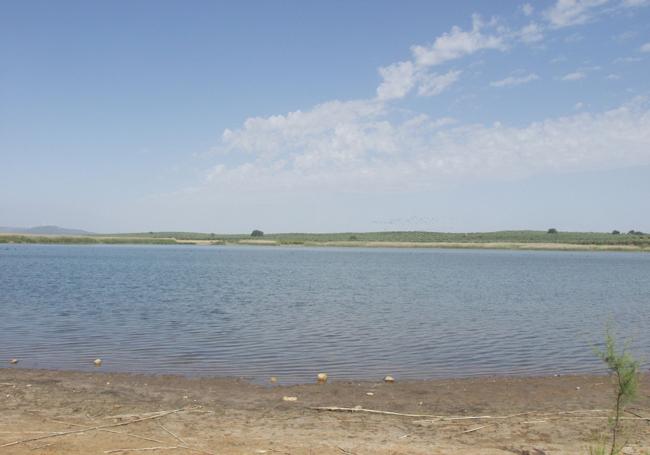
(332, 116)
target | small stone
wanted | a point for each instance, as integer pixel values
(28, 385)
(290, 398)
(273, 379)
(369, 394)
(358, 407)
(98, 362)
(389, 379)
(13, 361)
(108, 383)
(322, 378)
(578, 388)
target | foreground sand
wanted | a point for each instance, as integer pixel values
(228, 416)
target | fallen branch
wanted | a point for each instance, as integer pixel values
(173, 435)
(371, 411)
(83, 430)
(141, 450)
(145, 438)
(473, 429)
(106, 430)
(436, 417)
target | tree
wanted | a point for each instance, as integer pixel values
(552, 231)
(257, 233)
(615, 232)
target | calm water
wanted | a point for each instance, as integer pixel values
(291, 312)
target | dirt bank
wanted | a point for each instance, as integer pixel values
(226, 416)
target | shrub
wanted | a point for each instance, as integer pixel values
(552, 231)
(257, 233)
(625, 371)
(615, 232)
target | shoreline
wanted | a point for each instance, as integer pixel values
(16, 239)
(498, 415)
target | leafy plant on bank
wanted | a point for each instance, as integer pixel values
(625, 372)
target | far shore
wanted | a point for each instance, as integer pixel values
(56, 412)
(8, 238)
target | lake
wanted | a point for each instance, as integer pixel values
(291, 312)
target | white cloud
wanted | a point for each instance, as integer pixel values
(398, 80)
(458, 43)
(576, 76)
(572, 12)
(645, 47)
(628, 60)
(354, 146)
(531, 33)
(434, 84)
(527, 9)
(579, 105)
(635, 3)
(515, 80)
(361, 145)
(612, 77)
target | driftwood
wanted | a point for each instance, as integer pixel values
(144, 449)
(146, 416)
(474, 429)
(442, 418)
(436, 417)
(83, 430)
(172, 434)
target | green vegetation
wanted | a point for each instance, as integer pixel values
(84, 240)
(257, 233)
(625, 372)
(500, 239)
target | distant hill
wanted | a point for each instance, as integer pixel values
(44, 230)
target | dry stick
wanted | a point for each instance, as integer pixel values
(185, 446)
(448, 418)
(175, 436)
(473, 429)
(83, 430)
(141, 450)
(436, 417)
(145, 438)
(371, 411)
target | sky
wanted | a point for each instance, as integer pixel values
(292, 116)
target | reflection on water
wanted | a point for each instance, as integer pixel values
(291, 312)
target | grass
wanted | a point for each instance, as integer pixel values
(499, 239)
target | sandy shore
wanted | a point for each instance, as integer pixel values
(178, 415)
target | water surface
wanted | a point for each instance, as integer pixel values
(294, 311)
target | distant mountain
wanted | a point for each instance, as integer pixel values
(44, 230)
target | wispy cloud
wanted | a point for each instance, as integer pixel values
(434, 84)
(457, 43)
(354, 145)
(515, 80)
(572, 12)
(398, 80)
(575, 76)
(645, 47)
(374, 144)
